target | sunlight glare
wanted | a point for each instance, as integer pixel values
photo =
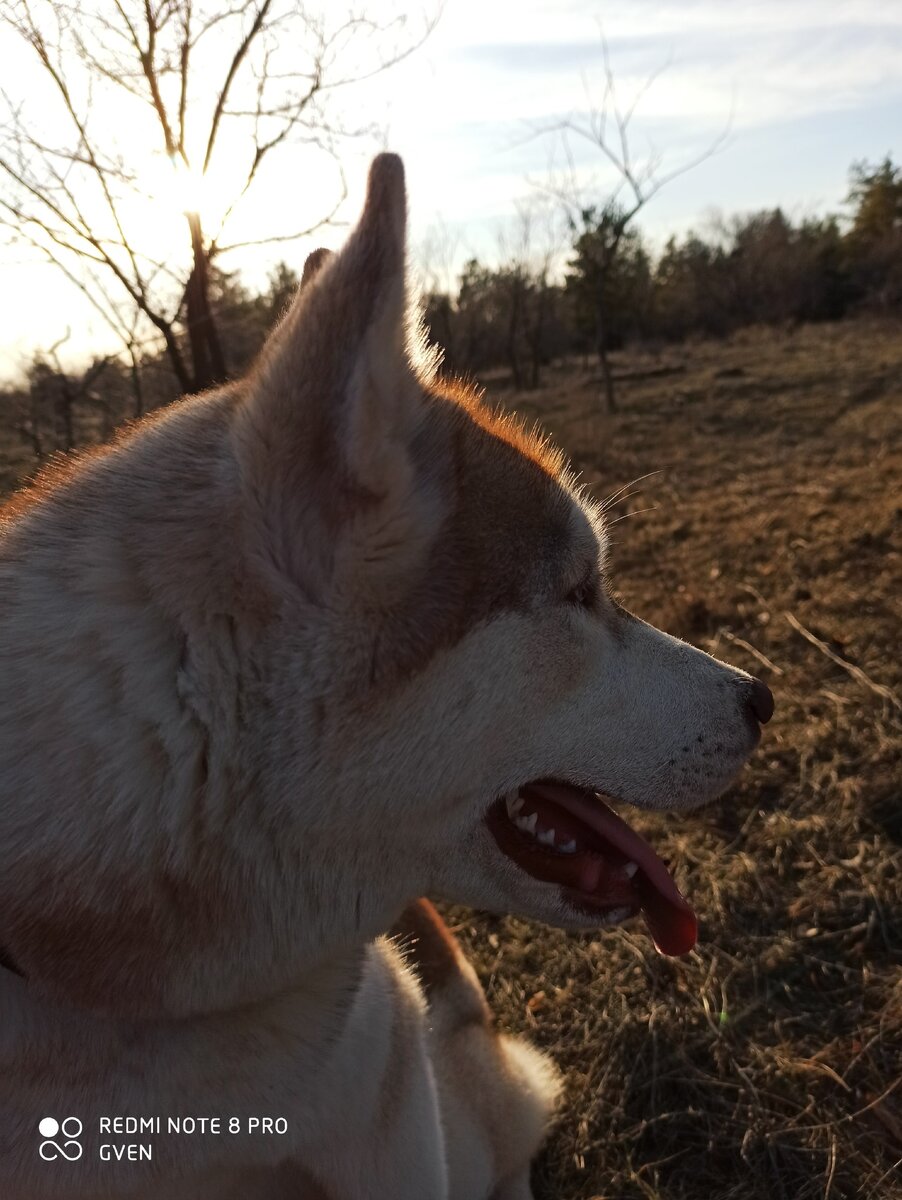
(186, 190)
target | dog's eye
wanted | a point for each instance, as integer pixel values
(585, 594)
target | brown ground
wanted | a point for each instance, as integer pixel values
(765, 1064)
(768, 1062)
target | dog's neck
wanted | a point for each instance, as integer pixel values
(232, 928)
(179, 893)
(162, 850)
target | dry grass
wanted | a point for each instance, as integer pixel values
(768, 1062)
(764, 1064)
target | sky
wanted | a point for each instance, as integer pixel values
(789, 91)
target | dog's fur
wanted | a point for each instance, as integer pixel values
(264, 664)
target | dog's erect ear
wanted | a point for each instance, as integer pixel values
(315, 261)
(324, 433)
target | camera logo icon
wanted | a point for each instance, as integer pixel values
(69, 1129)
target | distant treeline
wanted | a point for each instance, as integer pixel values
(60, 409)
(757, 269)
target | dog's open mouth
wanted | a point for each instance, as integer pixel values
(561, 834)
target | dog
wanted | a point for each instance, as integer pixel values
(285, 657)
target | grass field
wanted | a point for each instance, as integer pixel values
(765, 1064)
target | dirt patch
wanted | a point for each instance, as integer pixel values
(768, 1063)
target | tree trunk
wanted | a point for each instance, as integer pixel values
(608, 259)
(208, 364)
(64, 402)
(137, 385)
(513, 330)
(538, 329)
(32, 426)
(607, 398)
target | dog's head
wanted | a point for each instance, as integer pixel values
(296, 652)
(478, 683)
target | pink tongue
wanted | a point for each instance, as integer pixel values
(670, 919)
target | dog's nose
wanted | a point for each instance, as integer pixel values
(761, 701)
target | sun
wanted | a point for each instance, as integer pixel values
(178, 189)
(191, 188)
(186, 189)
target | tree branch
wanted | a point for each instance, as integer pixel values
(234, 65)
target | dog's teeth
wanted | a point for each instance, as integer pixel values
(546, 838)
(630, 869)
(568, 847)
(616, 915)
(522, 823)
(514, 806)
(530, 823)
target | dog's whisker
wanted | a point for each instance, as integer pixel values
(630, 483)
(616, 497)
(622, 499)
(635, 513)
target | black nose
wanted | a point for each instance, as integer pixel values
(761, 701)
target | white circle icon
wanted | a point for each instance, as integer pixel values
(70, 1128)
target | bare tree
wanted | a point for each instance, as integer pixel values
(436, 259)
(599, 227)
(513, 282)
(526, 252)
(207, 84)
(54, 396)
(541, 242)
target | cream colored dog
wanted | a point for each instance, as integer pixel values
(285, 657)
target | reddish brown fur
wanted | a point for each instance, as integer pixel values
(433, 952)
(431, 945)
(506, 426)
(496, 477)
(120, 943)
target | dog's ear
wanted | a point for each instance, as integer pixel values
(314, 263)
(324, 433)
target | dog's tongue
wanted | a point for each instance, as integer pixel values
(670, 918)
